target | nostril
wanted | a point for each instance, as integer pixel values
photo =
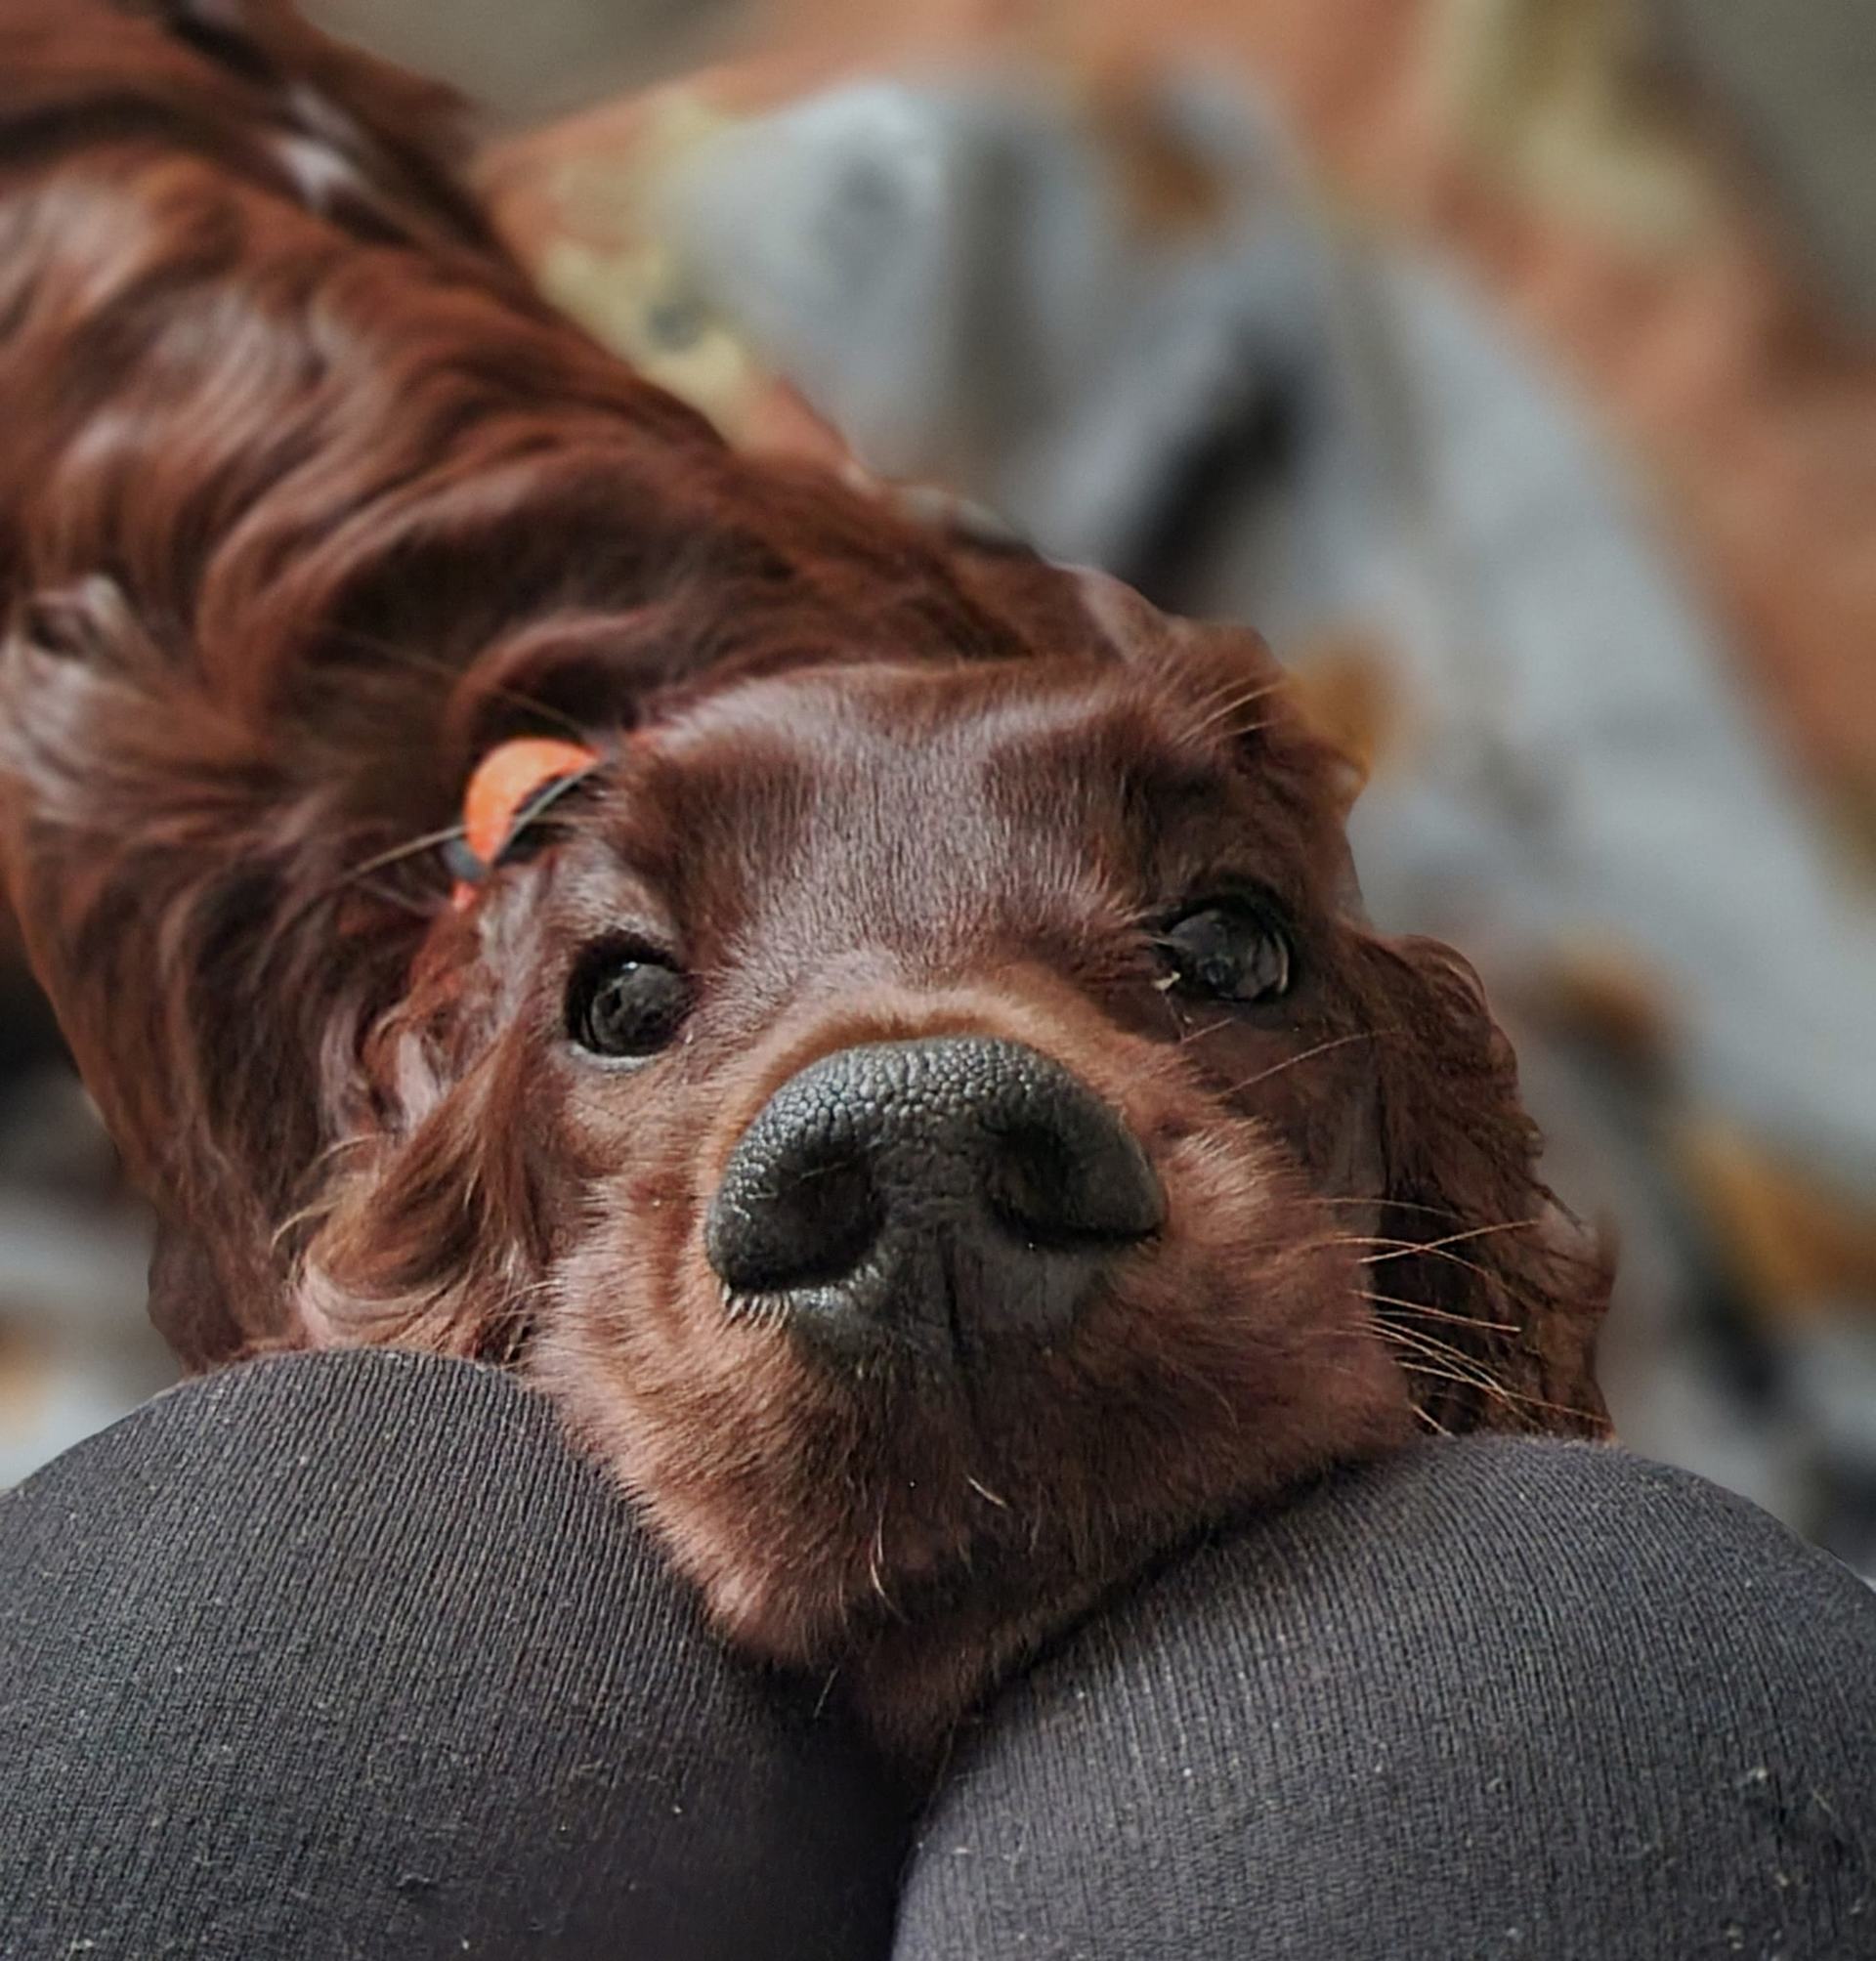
(1056, 1196)
(1031, 1187)
(808, 1220)
(836, 1215)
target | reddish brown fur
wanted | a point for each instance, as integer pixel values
(306, 499)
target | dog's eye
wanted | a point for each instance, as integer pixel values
(1232, 950)
(626, 1002)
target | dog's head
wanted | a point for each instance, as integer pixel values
(946, 1131)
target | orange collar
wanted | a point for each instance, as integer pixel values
(513, 782)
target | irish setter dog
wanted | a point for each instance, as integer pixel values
(890, 1040)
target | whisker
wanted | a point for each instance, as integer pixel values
(1455, 1363)
(1405, 1247)
(1544, 1403)
(1420, 1309)
(397, 854)
(387, 895)
(1230, 704)
(1381, 1198)
(1234, 687)
(1200, 1032)
(1440, 1375)
(432, 840)
(1437, 1249)
(875, 1565)
(1517, 1295)
(984, 1492)
(342, 1144)
(1309, 1055)
(1429, 1344)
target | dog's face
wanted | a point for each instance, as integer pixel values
(931, 1127)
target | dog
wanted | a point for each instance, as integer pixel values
(882, 1028)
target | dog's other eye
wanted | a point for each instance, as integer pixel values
(1232, 950)
(625, 1001)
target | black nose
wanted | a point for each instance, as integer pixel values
(940, 1192)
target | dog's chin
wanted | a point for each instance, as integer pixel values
(911, 1532)
(937, 1581)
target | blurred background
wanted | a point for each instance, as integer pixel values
(1511, 363)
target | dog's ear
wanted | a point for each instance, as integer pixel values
(428, 1234)
(182, 873)
(1492, 1294)
(1489, 1291)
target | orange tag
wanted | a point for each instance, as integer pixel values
(506, 782)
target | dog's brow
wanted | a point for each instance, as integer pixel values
(1147, 768)
(1118, 730)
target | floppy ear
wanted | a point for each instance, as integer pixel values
(1490, 1291)
(428, 1233)
(173, 864)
